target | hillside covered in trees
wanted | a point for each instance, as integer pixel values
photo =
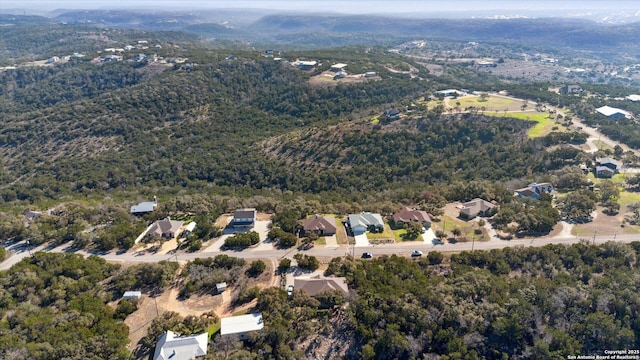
(529, 303)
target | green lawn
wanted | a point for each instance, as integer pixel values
(320, 241)
(397, 234)
(491, 104)
(627, 198)
(214, 328)
(387, 234)
(602, 146)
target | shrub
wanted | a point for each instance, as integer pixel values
(257, 267)
(307, 262)
(242, 240)
(435, 257)
(284, 265)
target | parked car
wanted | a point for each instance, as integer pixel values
(367, 255)
(290, 290)
(416, 253)
(423, 230)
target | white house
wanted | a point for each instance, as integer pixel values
(131, 295)
(244, 218)
(241, 325)
(144, 207)
(612, 113)
(175, 347)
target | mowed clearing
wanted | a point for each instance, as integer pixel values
(504, 107)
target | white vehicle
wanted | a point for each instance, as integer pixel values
(290, 290)
(416, 253)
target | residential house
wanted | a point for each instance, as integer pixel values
(448, 92)
(241, 325)
(633, 97)
(321, 225)
(340, 75)
(571, 89)
(604, 172)
(165, 228)
(318, 284)
(358, 224)
(407, 215)
(244, 218)
(144, 207)
(305, 65)
(32, 215)
(175, 347)
(534, 191)
(132, 295)
(338, 67)
(476, 207)
(613, 113)
(392, 114)
(610, 163)
(606, 168)
(111, 58)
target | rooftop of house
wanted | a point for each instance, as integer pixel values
(173, 346)
(407, 214)
(244, 213)
(241, 324)
(165, 226)
(608, 111)
(607, 160)
(144, 207)
(318, 284)
(365, 219)
(477, 205)
(317, 222)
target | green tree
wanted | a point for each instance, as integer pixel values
(257, 267)
(577, 205)
(435, 257)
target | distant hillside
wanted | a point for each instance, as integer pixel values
(323, 31)
(576, 34)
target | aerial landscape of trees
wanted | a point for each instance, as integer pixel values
(225, 125)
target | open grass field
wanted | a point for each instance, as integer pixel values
(503, 107)
(627, 198)
(491, 103)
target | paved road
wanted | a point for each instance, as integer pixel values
(335, 251)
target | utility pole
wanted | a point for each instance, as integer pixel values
(594, 236)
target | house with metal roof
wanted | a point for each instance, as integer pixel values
(144, 207)
(244, 218)
(132, 295)
(358, 224)
(534, 190)
(175, 347)
(612, 113)
(241, 325)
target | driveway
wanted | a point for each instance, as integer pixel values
(361, 240)
(429, 236)
(331, 241)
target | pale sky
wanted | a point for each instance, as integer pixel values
(344, 6)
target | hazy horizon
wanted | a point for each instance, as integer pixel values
(347, 7)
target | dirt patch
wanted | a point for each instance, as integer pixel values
(603, 224)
